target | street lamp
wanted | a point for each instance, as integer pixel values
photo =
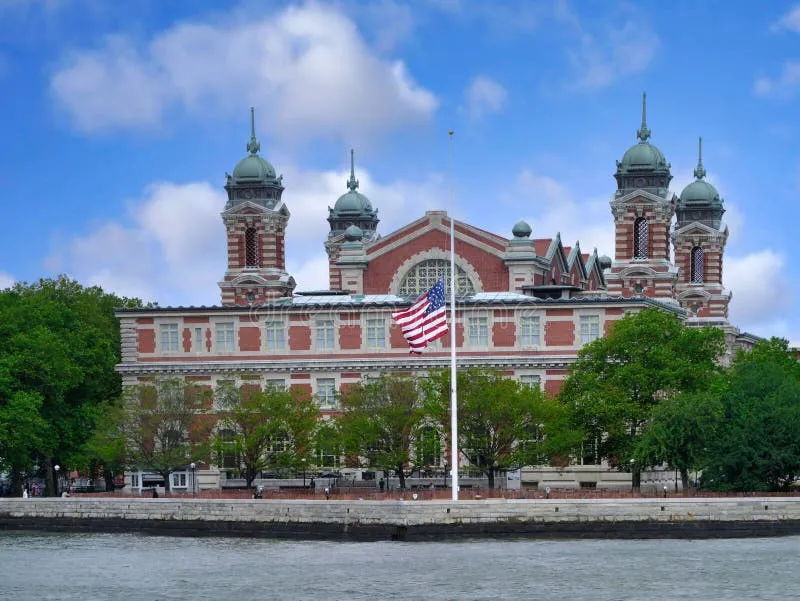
(303, 461)
(57, 469)
(194, 478)
(633, 474)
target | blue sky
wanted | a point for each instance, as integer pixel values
(118, 126)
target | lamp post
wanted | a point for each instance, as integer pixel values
(194, 478)
(57, 469)
(303, 461)
(633, 475)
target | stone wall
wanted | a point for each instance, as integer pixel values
(684, 517)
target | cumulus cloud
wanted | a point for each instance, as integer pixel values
(170, 246)
(6, 280)
(782, 86)
(557, 210)
(748, 277)
(608, 53)
(484, 96)
(306, 66)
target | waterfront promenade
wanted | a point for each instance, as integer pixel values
(410, 519)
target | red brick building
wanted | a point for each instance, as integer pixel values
(524, 305)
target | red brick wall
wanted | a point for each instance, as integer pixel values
(249, 338)
(147, 341)
(504, 333)
(350, 337)
(299, 338)
(559, 333)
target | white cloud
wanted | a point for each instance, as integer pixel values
(610, 53)
(6, 280)
(748, 277)
(588, 221)
(782, 86)
(790, 21)
(307, 67)
(484, 96)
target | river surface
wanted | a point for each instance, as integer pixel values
(117, 567)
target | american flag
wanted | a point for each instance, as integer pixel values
(426, 320)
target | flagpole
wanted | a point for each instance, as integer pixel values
(453, 380)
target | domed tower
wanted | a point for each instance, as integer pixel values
(351, 209)
(643, 209)
(255, 220)
(699, 239)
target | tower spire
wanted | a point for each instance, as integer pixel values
(253, 146)
(644, 132)
(352, 183)
(700, 171)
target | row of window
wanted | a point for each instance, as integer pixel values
(529, 334)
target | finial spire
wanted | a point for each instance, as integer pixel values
(644, 132)
(352, 183)
(253, 146)
(700, 171)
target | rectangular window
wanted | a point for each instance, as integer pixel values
(135, 480)
(590, 328)
(225, 337)
(325, 334)
(275, 335)
(179, 480)
(530, 380)
(326, 393)
(529, 331)
(199, 340)
(275, 384)
(478, 328)
(376, 333)
(169, 337)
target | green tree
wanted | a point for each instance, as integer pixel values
(502, 424)
(380, 421)
(262, 430)
(163, 426)
(757, 445)
(60, 343)
(619, 379)
(679, 432)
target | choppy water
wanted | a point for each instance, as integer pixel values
(117, 567)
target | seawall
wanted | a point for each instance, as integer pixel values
(410, 520)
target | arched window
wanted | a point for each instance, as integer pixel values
(696, 266)
(640, 238)
(425, 274)
(251, 248)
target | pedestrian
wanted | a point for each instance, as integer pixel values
(155, 493)
(24, 493)
(327, 493)
(382, 484)
(313, 485)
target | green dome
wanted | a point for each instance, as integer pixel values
(353, 202)
(643, 157)
(253, 170)
(521, 229)
(700, 192)
(353, 233)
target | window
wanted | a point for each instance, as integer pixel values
(590, 328)
(224, 337)
(275, 335)
(529, 331)
(275, 384)
(178, 480)
(530, 380)
(199, 339)
(428, 449)
(425, 274)
(135, 480)
(228, 456)
(696, 266)
(226, 395)
(376, 333)
(251, 248)
(326, 392)
(640, 238)
(325, 334)
(478, 329)
(169, 337)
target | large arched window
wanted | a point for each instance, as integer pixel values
(696, 266)
(425, 274)
(251, 247)
(640, 238)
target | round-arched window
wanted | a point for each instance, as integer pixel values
(425, 274)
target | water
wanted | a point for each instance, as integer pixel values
(117, 567)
